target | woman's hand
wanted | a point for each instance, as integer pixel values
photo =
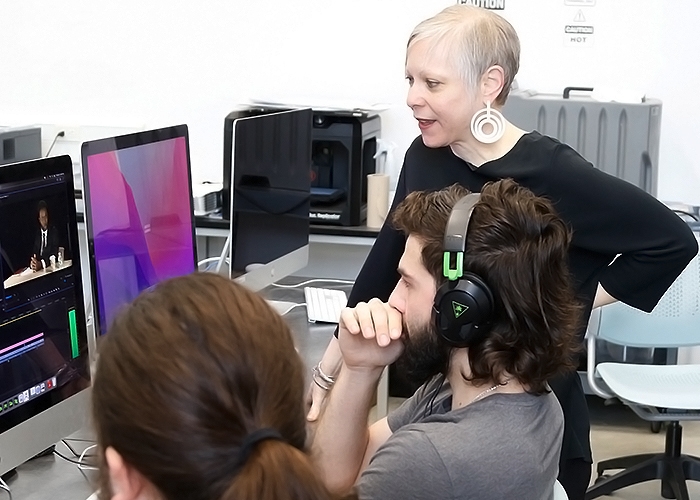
(330, 364)
(315, 396)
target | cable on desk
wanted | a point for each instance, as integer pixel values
(81, 464)
(224, 253)
(78, 440)
(293, 307)
(4, 486)
(84, 453)
(207, 261)
(80, 461)
(315, 280)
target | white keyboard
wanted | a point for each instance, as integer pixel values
(324, 304)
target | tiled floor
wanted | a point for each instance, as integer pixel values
(616, 431)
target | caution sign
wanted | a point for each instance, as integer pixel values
(578, 40)
(579, 31)
(485, 4)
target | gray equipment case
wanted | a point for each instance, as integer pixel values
(621, 139)
(19, 144)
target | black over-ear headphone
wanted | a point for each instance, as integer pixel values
(463, 306)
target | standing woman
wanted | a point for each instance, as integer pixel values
(460, 65)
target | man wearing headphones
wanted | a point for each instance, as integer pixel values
(484, 314)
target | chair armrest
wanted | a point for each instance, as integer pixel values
(591, 337)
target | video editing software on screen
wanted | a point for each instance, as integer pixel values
(40, 349)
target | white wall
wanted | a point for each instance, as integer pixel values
(150, 63)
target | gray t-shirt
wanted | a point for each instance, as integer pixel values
(501, 447)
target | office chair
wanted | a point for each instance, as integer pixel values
(559, 492)
(656, 393)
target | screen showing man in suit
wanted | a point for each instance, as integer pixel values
(46, 240)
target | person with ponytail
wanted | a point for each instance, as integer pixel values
(198, 394)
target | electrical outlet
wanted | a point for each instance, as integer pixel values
(74, 136)
(72, 133)
(82, 133)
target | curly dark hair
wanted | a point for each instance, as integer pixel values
(518, 245)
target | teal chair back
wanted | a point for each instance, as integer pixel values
(674, 322)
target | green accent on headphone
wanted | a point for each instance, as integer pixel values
(458, 309)
(456, 273)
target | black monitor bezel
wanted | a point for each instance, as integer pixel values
(117, 143)
(28, 171)
(229, 126)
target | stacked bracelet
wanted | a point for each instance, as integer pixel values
(322, 380)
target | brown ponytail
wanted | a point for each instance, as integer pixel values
(277, 471)
(185, 373)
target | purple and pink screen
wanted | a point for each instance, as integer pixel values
(141, 219)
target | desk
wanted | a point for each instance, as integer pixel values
(213, 222)
(18, 278)
(51, 477)
(336, 252)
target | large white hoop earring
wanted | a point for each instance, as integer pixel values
(488, 117)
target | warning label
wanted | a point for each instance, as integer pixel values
(486, 4)
(578, 40)
(579, 30)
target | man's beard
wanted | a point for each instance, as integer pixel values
(424, 355)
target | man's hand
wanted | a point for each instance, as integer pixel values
(34, 263)
(369, 335)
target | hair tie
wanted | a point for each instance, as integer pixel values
(252, 439)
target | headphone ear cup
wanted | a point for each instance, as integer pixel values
(462, 310)
(482, 294)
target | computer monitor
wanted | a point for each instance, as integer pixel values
(44, 362)
(269, 186)
(138, 215)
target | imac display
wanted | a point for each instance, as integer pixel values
(269, 188)
(44, 362)
(139, 215)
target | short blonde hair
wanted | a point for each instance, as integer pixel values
(475, 39)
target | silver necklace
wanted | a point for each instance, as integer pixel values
(490, 389)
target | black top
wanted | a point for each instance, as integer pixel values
(608, 217)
